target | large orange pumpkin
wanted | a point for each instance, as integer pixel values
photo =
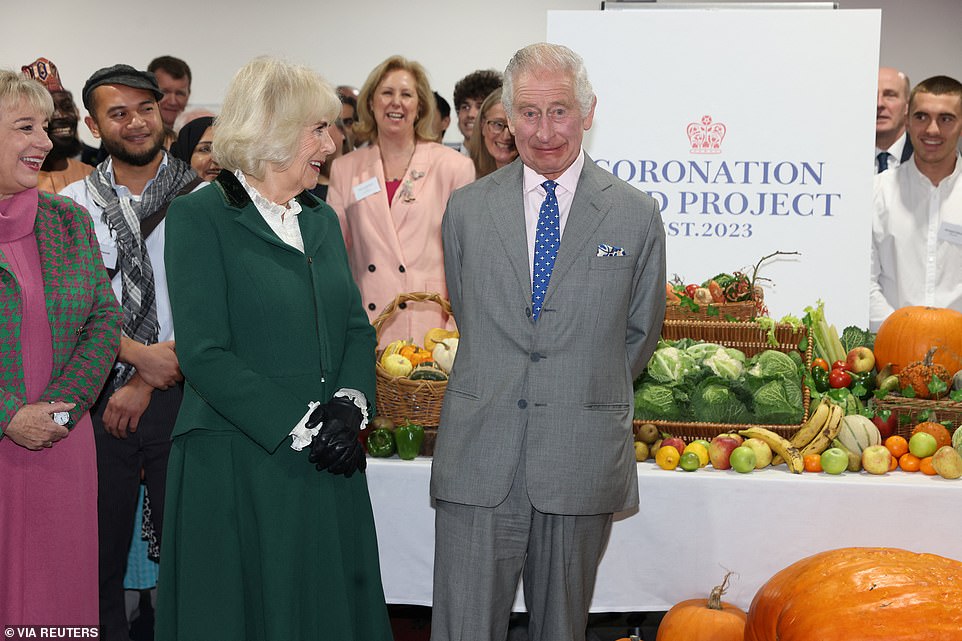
(860, 594)
(703, 619)
(909, 332)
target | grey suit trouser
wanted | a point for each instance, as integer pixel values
(480, 553)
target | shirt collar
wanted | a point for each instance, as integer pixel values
(121, 190)
(923, 179)
(568, 180)
(265, 206)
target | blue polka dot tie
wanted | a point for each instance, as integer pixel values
(546, 244)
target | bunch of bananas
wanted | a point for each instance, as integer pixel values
(816, 435)
(780, 445)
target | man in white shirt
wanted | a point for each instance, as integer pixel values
(892, 146)
(917, 230)
(127, 196)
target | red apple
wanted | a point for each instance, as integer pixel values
(720, 451)
(876, 459)
(738, 437)
(859, 360)
(675, 442)
(886, 426)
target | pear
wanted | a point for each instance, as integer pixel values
(947, 462)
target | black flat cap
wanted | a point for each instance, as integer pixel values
(121, 75)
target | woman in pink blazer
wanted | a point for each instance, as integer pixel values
(390, 197)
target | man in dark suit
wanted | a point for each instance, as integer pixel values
(556, 273)
(892, 144)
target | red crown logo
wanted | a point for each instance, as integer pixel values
(706, 136)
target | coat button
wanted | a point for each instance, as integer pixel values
(371, 306)
(535, 357)
(402, 305)
(371, 268)
(522, 403)
(400, 268)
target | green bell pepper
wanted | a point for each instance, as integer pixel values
(408, 437)
(862, 384)
(380, 443)
(820, 378)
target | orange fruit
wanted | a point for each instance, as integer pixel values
(813, 462)
(926, 466)
(909, 462)
(897, 445)
(939, 431)
(893, 463)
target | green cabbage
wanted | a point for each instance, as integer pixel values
(772, 364)
(713, 401)
(722, 363)
(701, 351)
(671, 365)
(656, 402)
(774, 404)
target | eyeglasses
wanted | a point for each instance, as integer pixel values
(496, 126)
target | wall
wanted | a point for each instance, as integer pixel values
(345, 40)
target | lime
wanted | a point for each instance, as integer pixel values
(689, 461)
(700, 450)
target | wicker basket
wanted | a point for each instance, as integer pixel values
(750, 339)
(400, 398)
(912, 411)
(740, 311)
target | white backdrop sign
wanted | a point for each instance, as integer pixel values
(753, 129)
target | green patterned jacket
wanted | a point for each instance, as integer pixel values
(83, 312)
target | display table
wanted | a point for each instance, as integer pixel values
(693, 526)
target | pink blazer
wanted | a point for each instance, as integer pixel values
(396, 248)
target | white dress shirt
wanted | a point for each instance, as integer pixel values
(108, 245)
(894, 152)
(916, 242)
(534, 195)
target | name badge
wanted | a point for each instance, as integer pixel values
(951, 233)
(108, 252)
(367, 188)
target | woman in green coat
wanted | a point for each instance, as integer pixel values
(278, 359)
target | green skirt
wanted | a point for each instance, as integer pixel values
(263, 547)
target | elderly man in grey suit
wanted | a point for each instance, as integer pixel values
(556, 273)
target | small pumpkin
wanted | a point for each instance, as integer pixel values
(868, 594)
(920, 374)
(910, 332)
(704, 619)
(937, 430)
(415, 354)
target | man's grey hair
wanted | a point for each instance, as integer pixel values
(545, 56)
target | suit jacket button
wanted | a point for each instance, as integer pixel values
(371, 268)
(535, 357)
(522, 403)
(400, 268)
(402, 305)
(371, 306)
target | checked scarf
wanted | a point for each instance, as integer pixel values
(123, 216)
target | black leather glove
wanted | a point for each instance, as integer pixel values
(336, 447)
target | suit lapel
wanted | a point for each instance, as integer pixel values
(506, 204)
(587, 211)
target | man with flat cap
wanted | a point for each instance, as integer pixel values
(127, 196)
(62, 165)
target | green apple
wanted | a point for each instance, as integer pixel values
(834, 460)
(704, 442)
(743, 459)
(923, 444)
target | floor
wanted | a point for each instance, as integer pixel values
(413, 623)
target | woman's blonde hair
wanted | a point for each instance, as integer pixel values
(365, 129)
(15, 87)
(267, 105)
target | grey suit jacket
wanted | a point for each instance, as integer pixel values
(556, 393)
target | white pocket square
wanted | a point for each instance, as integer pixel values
(610, 250)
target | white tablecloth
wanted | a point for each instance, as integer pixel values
(692, 526)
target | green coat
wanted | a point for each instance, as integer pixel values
(257, 544)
